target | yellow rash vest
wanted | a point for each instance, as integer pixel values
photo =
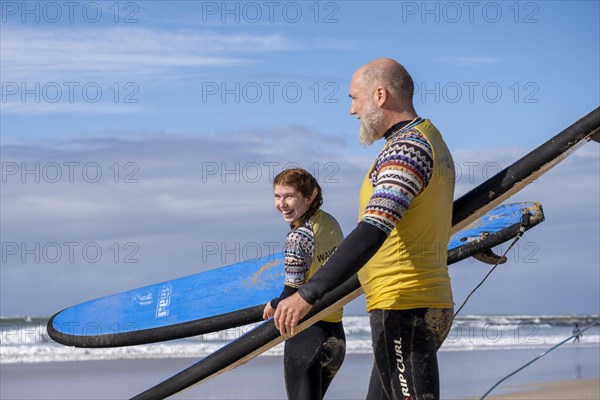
(408, 193)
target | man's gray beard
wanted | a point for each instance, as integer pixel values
(371, 126)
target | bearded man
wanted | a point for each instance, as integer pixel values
(399, 247)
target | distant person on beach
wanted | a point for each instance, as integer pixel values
(576, 333)
(313, 357)
(399, 247)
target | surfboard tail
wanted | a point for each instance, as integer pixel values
(478, 241)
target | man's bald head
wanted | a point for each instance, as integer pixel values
(381, 93)
(391, 75)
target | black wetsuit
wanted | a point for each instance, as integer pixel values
(314, 356)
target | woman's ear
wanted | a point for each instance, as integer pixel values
(312, 197)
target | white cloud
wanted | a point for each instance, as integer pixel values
(469, 61)
(162, 198)
(30, 54)
(17, 106)
(99, 70)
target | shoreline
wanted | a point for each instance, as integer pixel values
(570, 373)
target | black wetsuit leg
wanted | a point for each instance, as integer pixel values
(405, 361)
(311, 360)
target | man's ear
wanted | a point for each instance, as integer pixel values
(380, 95)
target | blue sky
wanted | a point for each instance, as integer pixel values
(138, 137)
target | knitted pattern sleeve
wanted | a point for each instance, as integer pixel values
(401, 171)
(298, 255)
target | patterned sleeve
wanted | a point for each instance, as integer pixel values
(401, 171)
(299, 250)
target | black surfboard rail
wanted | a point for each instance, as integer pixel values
(466, 209)
(523, 171)
(172, 332)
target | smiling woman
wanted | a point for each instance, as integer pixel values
(313, 357)
(291, 203)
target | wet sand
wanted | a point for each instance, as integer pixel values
(576, 389)
(569, 373)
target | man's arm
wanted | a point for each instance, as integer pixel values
(350, 256)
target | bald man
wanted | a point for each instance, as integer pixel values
(399, 247)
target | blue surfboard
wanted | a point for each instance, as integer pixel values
(229, 296)
(201, 303)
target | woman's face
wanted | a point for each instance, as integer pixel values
(290, 203)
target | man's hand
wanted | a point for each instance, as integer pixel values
(289, 312)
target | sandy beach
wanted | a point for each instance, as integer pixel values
(570, 373)
(575, 389)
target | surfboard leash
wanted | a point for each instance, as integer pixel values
(525, 217)
(538, 357)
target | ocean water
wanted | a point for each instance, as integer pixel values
(25, 339)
